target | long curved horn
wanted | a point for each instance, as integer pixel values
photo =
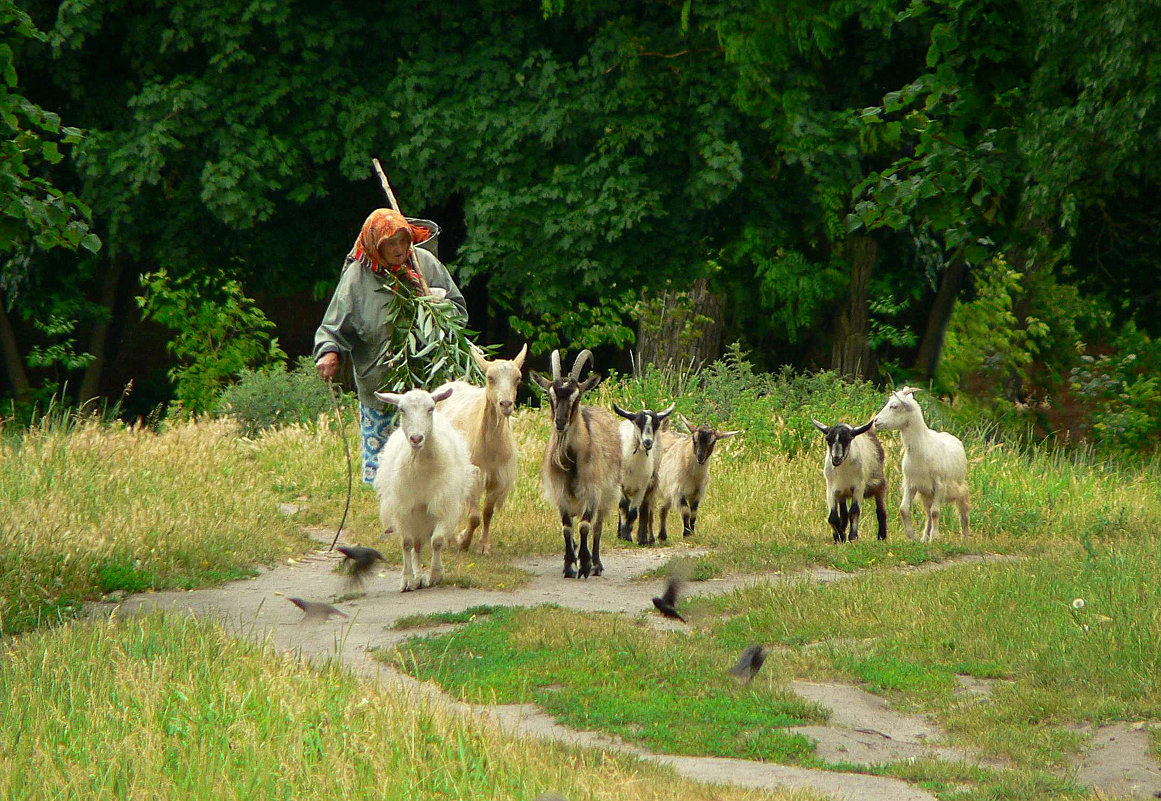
(667, 412)
(579, 364)
(556, 365)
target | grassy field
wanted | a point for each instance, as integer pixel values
(170, 708)
(91, 509)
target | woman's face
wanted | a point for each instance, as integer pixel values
(393, 251)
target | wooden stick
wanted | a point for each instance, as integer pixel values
(412, 258)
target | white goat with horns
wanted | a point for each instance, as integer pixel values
(581, 471)
(934, 464)
(482, 415)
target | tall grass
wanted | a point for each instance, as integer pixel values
(91, 508)
(170, 708)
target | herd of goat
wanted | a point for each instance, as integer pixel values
(453, 456)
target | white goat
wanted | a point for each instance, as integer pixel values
(481, 415)
(934, 464)
(581, 471)
(640, 461)
(854, 470)
(424, 481)
(684, 473)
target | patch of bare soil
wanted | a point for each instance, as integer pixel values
(862, 729)
(1118, 762)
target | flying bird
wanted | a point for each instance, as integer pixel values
(749, 664)
(315, 611)
(667, 603)
(362, 560)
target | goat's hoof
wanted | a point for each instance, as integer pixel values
(598, 569)
(486, 548)
(585, 571)
(569, 571)
(405, 586)
(433, 579)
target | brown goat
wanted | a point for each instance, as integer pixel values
(581, 471)
(684, 473)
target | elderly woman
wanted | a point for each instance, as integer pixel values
(355, 321)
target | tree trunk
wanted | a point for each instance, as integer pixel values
(678, 327)
(13, 364)
(850, 353)
(931, 346)
(91, 382)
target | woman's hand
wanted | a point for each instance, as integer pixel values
(328, 365)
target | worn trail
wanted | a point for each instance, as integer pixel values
(861, 730)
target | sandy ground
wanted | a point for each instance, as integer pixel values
(862, 728)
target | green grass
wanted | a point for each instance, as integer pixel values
(160, 707)
(601, 671)
(419, 621)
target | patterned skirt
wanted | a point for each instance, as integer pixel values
(375, 427)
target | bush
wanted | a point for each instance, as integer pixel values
(273, 397)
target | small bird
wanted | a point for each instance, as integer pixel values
(362, 560)
(749, 664)
(667, 603)
(315, 611)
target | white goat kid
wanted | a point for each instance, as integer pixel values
(684, 473)
(482, 415)
(854, 470)
(424, 481)
(640, 460)
(934, 464)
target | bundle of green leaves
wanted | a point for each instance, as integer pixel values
(430, 343)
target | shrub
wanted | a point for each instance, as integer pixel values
(274, 396)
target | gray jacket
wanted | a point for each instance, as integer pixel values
(354, 321)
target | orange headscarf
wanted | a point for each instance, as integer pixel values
(383, 224)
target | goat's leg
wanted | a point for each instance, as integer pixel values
(438, 538)
(693, 504)
(834, 519)
(464, 541)
(686, 525)
(905, 508)
(486, 525)
(938, 494)
(598, 524)
(569, 551)
(663, 516)
(586, 559)
(855, 511)
(964, 504)
(645, 522)
(405, 583)
(881, 510)
(624, 522)
(844, 518)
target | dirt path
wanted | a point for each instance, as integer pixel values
(861, 730)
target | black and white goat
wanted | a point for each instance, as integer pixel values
(581, 471)
(854, 470)
(640, 461)
(684, 473)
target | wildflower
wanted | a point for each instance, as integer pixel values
(1078, 603)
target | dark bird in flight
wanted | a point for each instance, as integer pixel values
(362, 561)
(667, 603)
(749, 664)
(315, 611)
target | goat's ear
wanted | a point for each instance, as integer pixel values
(442, 394)
(480, 359)
(519, 360)
(863, 429)
(590, 382)
(685, 423)
(727, 434)
(623, 413)
(820, 426)
(663, 414)
(389, 397)
(540, 380)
